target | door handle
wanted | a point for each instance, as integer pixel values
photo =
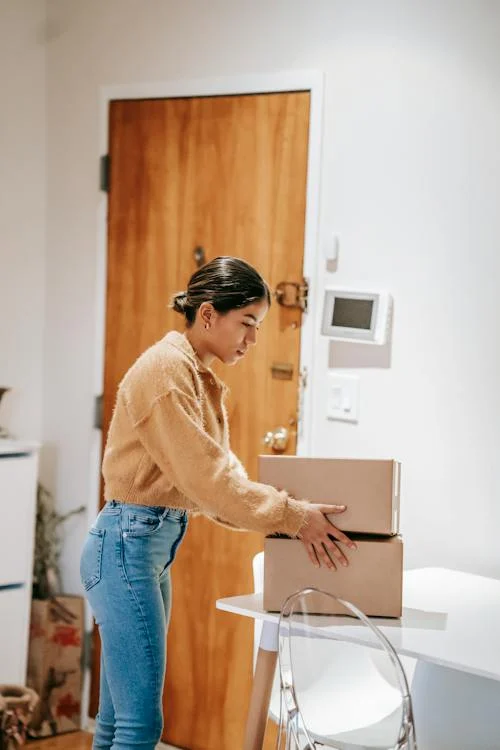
(277, 439)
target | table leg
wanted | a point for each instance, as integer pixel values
(262, 686)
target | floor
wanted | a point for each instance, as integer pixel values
(71, 741)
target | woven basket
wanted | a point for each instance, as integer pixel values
(16, 706)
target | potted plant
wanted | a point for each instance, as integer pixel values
(48, 543)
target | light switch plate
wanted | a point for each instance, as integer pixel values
(342, 402)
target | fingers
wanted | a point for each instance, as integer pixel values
(340, 536)
(332, 550)
(319, 536)
(312, 554)
(324, 558)
(331, 508)
(321, 554)
(318, 555)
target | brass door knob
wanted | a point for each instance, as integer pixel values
(277, 439)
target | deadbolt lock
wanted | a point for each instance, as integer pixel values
(292, 294)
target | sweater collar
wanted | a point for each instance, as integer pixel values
(180, 341)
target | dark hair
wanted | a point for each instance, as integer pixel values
(227, 283)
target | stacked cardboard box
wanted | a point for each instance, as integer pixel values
(370, 489)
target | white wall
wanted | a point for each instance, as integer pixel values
(22, 213)
(411, 171)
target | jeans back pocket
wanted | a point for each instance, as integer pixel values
(91, 559)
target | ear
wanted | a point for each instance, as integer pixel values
(207, 314)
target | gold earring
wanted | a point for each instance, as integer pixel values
(207, 326)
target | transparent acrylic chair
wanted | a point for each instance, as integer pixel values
(343, 688)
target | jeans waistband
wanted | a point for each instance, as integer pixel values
(115, 506)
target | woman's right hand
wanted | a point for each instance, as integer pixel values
(316, 532)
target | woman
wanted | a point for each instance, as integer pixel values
(167, 455)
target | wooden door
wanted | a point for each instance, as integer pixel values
(227, 174)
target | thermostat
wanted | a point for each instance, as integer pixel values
(356, 316)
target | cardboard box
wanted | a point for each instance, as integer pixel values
(373, 580)
(369, 488)
(54, 664)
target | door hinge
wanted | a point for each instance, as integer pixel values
(104, 173)
(303, 375)
(292, 294)
(282, 370)
(98, 412)
(199, 255)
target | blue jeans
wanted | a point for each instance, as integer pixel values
(125, 570)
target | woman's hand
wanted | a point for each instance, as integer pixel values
(316, 533)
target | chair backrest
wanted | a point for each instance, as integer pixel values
(342, 683)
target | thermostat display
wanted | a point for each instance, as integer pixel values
(350, 315)
(353, 313)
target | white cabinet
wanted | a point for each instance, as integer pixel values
(17, 498)
(18, 484)
(14, 616)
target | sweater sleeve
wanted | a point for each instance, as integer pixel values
(172, 433)
(236, 465)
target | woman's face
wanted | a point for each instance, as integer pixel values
(231, 334)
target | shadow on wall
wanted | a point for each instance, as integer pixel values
(346, 354)
(351, 355)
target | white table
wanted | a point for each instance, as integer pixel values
(450, 623)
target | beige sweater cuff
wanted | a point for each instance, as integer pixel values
(294, 516)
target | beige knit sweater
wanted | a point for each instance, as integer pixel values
(168, 444)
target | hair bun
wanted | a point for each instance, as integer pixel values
(179, 302)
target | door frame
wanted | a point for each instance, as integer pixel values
(278, 82)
